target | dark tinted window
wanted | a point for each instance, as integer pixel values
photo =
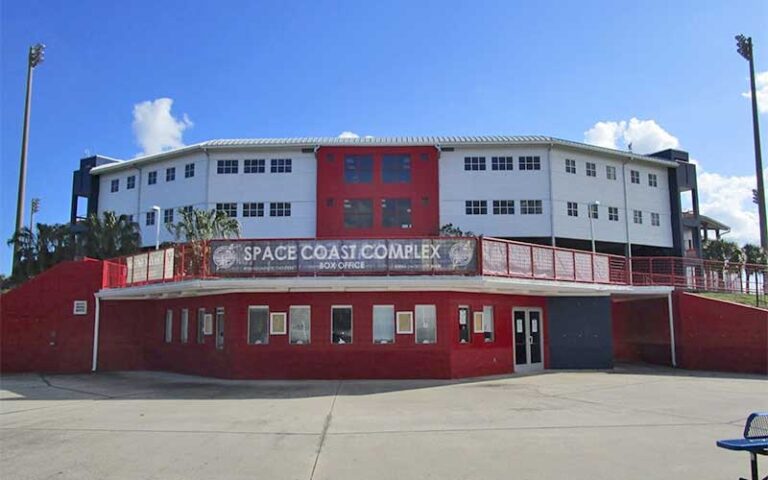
(396, 169)
(358, 169)
(396, 212)
(358, 213)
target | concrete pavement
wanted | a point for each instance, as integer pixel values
(629, 423)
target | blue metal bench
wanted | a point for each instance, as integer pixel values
(755, 441)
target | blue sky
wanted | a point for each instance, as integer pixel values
(257, 69)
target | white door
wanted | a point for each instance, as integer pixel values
(527, 339)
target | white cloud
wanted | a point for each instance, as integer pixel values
(646, 136)
(347, 134)
(727, 199)
(761, 85)
(155, 127)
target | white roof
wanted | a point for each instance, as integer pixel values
(312, 142)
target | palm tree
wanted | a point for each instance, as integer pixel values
(196, 227)
(726, 252)
(40, 250)
(111, 236)
(754, 255)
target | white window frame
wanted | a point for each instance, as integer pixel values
(610, 172)
(276, 315)
(184, 326)
(572, 209)
(351, 324)
(637, 217)
(488, 323)
(570, 166)
(416, 330)
(409, 315)
(248, 326)
(634, 177)
(653, 180)
(655, 219)
(613, 214)
(309, 337)
(373, 325)
(591, 169)
(168, 326)
(208, 323)
(477, 322)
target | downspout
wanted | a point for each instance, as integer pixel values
(97, 312)
(671, 330)
(551, 199)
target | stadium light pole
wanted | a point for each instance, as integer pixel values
(744, 45)
(35, 58)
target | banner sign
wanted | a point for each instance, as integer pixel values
(150, 266)
(244, 257)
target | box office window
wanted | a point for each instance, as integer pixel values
(258, 325)
(341, 325)
(201, 325)
(383, 324)
(358, 169)
(184, 336)
(168, 326)
(464, 332)
(488, 333)
(358, 213)
(396, 168)
(426, 324)
(299, 325)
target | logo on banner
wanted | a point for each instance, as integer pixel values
(224, 256)
(461, 254)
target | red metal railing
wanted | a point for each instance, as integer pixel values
(504, 258)
(698, 274)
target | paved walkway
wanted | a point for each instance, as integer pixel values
(626, 424)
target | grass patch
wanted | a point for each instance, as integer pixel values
(742, 298)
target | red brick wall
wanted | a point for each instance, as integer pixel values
(39, 331)
(641, 331)
(724, 336)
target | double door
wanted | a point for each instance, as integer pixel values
(527, 331)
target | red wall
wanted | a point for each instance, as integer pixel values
(132, 336)
(709, 334)
(716, 335)
(39, 331)
(332, 191)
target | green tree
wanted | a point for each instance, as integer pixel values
(41, 249)
(110, 236)
(722, 251)
(755, 259)
(196, 227)
(450, 230)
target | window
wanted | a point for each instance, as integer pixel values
(653, 180)
(254, 165)
(476, 207)
(278, 323)
(130, 218)
(170, 174)
(488, 323)
(404, 323)
(115, 185)
(299, 325)
(591, 169)
(503, 207)
(474, 163)
(358, 169)
(530, 207)
(253, 209)
(634, 176)
(151, 178)
(383, 324)
(426, 324)
(227, 167)
(594, 211)
(187, 209)
(570, 166)
(529, 163)
(655, 220)
(396, 212)
(200, 325)
(281, 165)
(477, 322)
(610, 172)
(341, 325)
(184, 334)
(189, 170)
(219, 328)
(464, 333)
(502, 163)
(150, 218)
(638, 216)
(396, 169)
(168, 326)
(573, 209)
(130, 182)
(613, 214)
(229, 208)
(280, 209)
(258, 325)
(358, 213)
(168, 215)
